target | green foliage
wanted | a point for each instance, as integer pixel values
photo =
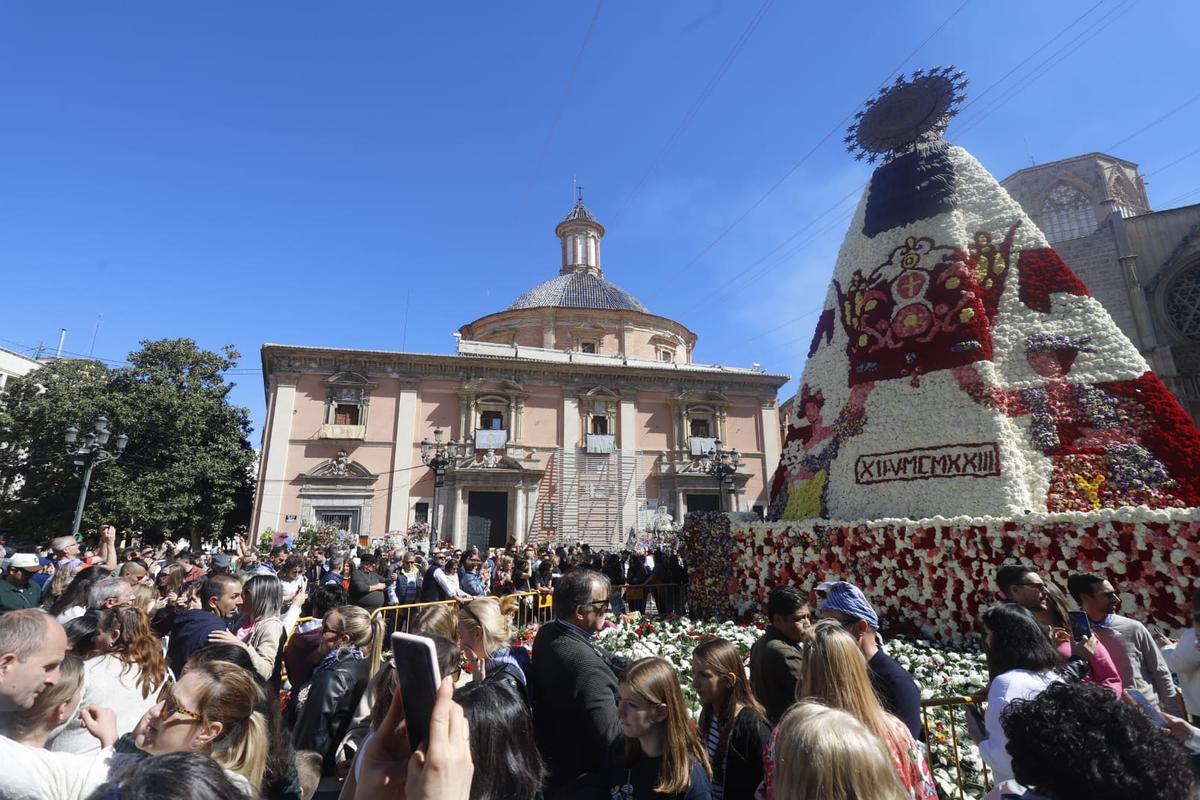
(186, 472)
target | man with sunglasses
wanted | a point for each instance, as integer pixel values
(573, 689)
(1130, 645)
(1021, 584)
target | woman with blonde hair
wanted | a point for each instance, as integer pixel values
(733, 724)
(436, 620)
(827, 754)
(212, 711)
(485, 632)
(124, 673)
(835, 673)
(663, 756)
(351, 646)
(144, 596)
(51, 710)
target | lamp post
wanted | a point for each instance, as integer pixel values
(438, 455)
(91, 454)
(723, 465)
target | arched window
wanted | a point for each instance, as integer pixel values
(1066, 214)
(1183, 302)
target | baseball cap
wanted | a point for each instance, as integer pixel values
(220, 560)
(27, 561)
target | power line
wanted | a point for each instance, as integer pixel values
(1028, 58)
(691, 113)
(1171, 164)
(1183, 196)
(833, 131)
(853, 193)
(1053, 60)
(562, 103)
(1150, 125)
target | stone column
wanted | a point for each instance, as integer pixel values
(518, 499)
(400, 485)
(568, 498)
(455, 498)
(274, 467)
(772, 448)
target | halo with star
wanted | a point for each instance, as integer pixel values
(913, 110)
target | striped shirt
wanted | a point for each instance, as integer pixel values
(716, 790)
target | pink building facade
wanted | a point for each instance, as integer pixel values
(580, 414)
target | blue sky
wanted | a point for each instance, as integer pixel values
(302, 172)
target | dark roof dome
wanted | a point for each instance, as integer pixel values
(579, 212)
(578, 290)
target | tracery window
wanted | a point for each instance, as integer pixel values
(1067, 213)
(1183, 302)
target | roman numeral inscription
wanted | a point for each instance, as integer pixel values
(979, 460)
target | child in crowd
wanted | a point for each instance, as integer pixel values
(733, 724)
(51, 710)
(663, 756)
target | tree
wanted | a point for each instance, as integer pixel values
(186, 472)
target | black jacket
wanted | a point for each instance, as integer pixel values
(431, 591)
(573, 692)
(189, 633)
(327, 711)
(739, 766)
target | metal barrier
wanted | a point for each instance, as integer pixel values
(944, 727)
(537, 608)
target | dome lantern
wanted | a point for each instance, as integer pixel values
(580, 235)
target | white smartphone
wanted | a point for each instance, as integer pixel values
(1146, 707)
(417, 674)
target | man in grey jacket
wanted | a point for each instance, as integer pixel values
(776, 659)
(1132, 648)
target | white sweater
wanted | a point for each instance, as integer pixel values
(106, 683)
(31, 773)
(1184, 660)
(1017, 684)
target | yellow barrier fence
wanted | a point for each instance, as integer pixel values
(945, 724)
(537, 608)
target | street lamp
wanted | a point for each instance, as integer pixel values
(723, 465)
(90, 454)
(438, 455)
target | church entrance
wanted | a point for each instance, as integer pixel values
(487, 519)
(702, 502)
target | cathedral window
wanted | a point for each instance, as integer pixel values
(1066, 214)
(587, 347)
(1183, 302)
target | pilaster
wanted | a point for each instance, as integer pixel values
(274, 469)
(400, 481)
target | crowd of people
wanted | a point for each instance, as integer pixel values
(154, 672)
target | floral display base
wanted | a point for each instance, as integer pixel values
(932, 577)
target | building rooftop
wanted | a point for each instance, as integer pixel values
(578, 290)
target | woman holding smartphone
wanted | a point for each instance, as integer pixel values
(1021, 662)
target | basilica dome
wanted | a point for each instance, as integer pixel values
(581, 310)
(578, 290)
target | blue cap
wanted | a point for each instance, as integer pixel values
(849, 599)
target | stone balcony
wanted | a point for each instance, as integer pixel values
(347, 432)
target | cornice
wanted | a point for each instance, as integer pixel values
(279, 360)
